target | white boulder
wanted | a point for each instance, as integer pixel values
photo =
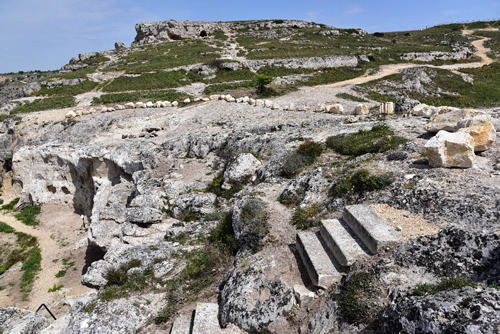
(481, 129)
(361, 109)
(336, 108)
(70, 114)
(130, 105)
(448, 149)
(243, 166)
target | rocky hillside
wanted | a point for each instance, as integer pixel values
(272, 176)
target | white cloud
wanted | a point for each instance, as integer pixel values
(354, 9)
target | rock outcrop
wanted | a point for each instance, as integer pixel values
(481, 129)
(14, 320)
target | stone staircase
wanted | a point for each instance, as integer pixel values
(203, 320)
(329, 253)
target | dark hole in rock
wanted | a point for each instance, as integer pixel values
(51, 188)
(93, 253)
(203, 33)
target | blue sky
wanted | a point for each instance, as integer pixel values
(45, 34)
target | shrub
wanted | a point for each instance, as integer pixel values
(11, 205)
(222, 236)
(306, 154)
(116, 277)
(354, 299)
(253, 219)
(305, 218)
(379, 34)
(261, 81)
(55, 287)
(359, 182)
(379, 138)
(216, 187)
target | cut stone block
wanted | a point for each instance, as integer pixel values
(182, 324)
(303, 295)
(318, 263)
(342, 245)
(370, 228)
(206, 319)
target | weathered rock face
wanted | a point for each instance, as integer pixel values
(361, 109)
(150, 32)
(463, 53)
(446, 118)
(251, 302)
(405, 105)
(306, 189)
(14, 320)
(466, 310)
(481, 129)
(451, 150)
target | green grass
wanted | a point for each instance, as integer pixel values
(161, 95)
(331, 75)
(146, 81)
(10, 206)
(30, 268)
(28, 215)
(222, 236)
(165, 55)
(74, 74)
(5, 228)
(228, 75)
(55, 287)
(444, 285)
(218, 88)
(378, 139)
(279, 71)
(57, 102)
(65, 90)
(350, 97)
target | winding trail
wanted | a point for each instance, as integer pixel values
(386, 70)
(46, 277)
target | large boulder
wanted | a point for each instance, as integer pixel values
(252, 302)
(423, 110)
(446, 118)
(481, 129)
(387, 108)
(243, 166)
(451, 150)
(405, 105)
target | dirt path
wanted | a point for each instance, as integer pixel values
(386, 70)
(46, 277)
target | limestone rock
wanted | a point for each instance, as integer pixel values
(144, 215)
(275, 106)
(361, 109)
(451, 150)
(244, 165)
(336, 108)
(481, 129)
(405, 105)
(252, 302)
(139, 105)
(259, 103)
(15, 320)
(149, 104)
(320, 108)
(423, 110)
(268, 103)
(175, 104)
(70, 114)
(446, 118)
(229, 98)
(188, 100)
(303, 295)
(119, 45)
(130, 105)
(291, 107)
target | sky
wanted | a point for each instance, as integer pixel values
(46, 34)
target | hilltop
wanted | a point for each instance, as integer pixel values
(211, 166)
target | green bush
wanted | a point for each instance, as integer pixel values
(5, 228)
(261, 81)
(116, 277)
(377, 140)
(253, 220)
(359, 182)
(305, 218)
(11, 205)
(222, 236)
(354, 299)
(305, 155)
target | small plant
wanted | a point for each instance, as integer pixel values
(61, 273)
(355, 301)
(222, 236)
(90, 307)
(116, 277)
(55, 287)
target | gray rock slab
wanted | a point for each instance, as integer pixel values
(182, 324)
(340, 242)
(318, 263)
(206, 319)
(371, 229)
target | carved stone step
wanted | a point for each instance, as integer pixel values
(371, 229)
(182, 324)
(206, 319)
(340, 242)
(319, 264)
